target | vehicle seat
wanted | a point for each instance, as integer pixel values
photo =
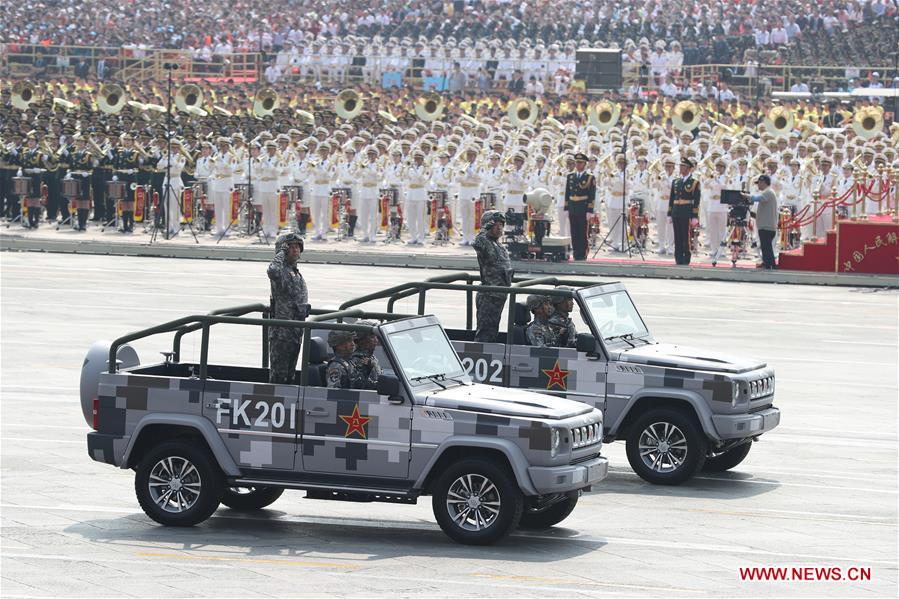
(522, 316)
(318, 362)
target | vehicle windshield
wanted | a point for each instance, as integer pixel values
(425, 354)
(616, 317)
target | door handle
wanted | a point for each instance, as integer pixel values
(522, 366)
(317, 412)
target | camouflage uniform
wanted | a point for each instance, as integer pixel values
(539, 332)
(289, 301)
(342, 374)
(496, 270)
(365, 362)
(563, 329)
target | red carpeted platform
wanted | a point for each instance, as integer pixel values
(862, 246)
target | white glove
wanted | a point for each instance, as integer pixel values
(669, 220)
(115, 177)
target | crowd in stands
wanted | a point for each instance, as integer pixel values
(827, 32)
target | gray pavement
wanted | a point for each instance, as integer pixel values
(819, 491)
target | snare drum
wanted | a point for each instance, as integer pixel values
(391, 193)
(71, 188)
(115, 190)
(201, 188)
(21, 186)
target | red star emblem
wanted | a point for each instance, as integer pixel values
(355, 423)
(556, 376)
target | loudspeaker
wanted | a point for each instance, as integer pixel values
(598, 69)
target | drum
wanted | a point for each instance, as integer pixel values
(201, 188)
(439, 196)
(391, 193)
(21, 186)
(294, 193)
(71, 188)
(345, 193)
(243, 189)
(115, 190)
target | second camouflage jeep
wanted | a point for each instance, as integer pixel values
(679, 409)
(199, 433)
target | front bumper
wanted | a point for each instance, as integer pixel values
(570, 477)
(741, 426)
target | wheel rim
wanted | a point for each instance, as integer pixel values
(175, 484)
(473, 502)
(663, 447)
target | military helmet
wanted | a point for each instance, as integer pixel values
(535, 301)
(369, 323)
(336, 338)
(286, 239)
(558, 299)
(490, 217)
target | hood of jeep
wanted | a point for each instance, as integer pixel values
(667, 355)
(502, 401)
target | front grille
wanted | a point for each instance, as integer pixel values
(761, 387)
(584, 436)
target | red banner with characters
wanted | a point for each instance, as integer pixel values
(140, 198)
(385, 212)
(478, 213)
(870, 246)
(187, 205)
(432, 221)
(235, 207)
(283, 203)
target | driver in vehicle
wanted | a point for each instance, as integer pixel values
(560, 321)
(364, 360)
(539, 332)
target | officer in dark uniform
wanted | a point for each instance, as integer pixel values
(496, 271)
(102, 174)
(125, 164)
(683, 209)
(580, 195)
(81, 167)
(9, 164)
(34, 164)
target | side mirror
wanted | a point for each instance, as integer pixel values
(586, 343)
(389, 385)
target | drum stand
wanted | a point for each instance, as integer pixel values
(70, 217)
(18, 217)
(622, 221)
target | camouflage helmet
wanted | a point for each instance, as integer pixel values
(287, 238)
(558, 299)
(336, 338)
(364, 334)
(535, 301)
(490, 217)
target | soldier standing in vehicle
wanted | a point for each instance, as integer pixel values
(289, 301)
(341, 372)
(364, 360)
(539, 332)
(560, 321)
(496, 271)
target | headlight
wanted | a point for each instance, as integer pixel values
(555, 440)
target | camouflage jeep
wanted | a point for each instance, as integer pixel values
(200, 433)
(679, 409)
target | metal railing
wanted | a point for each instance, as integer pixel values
(137, 64)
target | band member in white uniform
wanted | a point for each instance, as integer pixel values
(369, 173)
(268, 170)
(320, 203)
(661, 195)
(716, 212)
(173, 199)
(220, 185)
(417, 177)
(469, 180)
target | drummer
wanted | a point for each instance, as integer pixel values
(81, 167)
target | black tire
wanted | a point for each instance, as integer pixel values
(500, 494)
(685, 456)
(722, 462)
(250, 498)
(545, 518)
(201, 486)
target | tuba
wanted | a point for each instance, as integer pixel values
(429, 107)
(867, 122)
(307, 117)
(779, 121)
(685, 115)
(348, 104)
(111, 98)
(188, 95)
(604, 115)
(265, 102)
(522, 111)
(64, 103)
(23, 94)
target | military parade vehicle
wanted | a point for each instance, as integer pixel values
(679, 409)
(199, 433)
